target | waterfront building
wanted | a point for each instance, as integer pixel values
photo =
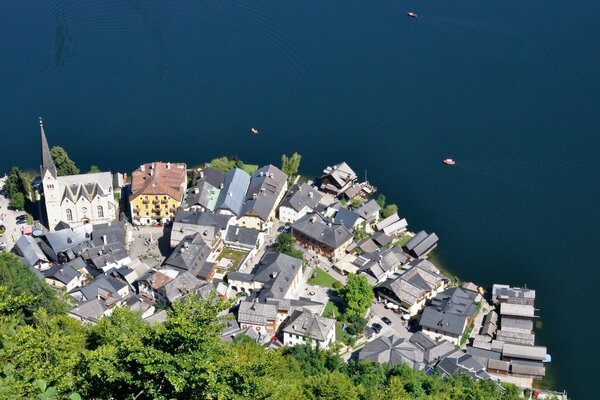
(337, 179)
(75, 199)
(157, 190)
(300, 200)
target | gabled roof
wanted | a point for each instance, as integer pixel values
(278, 271)
(159, 178)
(264, 189)
(347, 218)
(301, 196)
(421, 243)
(387, 221)
(309, 325)
(62, 273)
(256, 313)
(212, 176)
(113, 233)
(393, 350)
(231, 197)
(203, 194)
(30, 250)
(323, 231)
(420, 278)
(460, 362)
(68, 238)
(369, 211)
(189, 255)
(449, 311)
(242, 236)
(183, 284)
(90, 310)
(340, 173)
(192, 217)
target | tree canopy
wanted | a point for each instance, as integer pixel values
(357, 294)
(53, 356)
(223, 164)
(64, 165)
(94, 169)
(290, 165)
(17, 182)
(285, 245)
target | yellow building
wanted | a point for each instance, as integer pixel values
(157, 190)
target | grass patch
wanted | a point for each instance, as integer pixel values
(321, 278)
(235, 255)
(332, 310)
(250, 168)
(403, 240)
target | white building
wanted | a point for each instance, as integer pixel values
(299, 201)
(306, 327)
(75, 199)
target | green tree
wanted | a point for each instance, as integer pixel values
(331, 386)
(358, 295)
(389, 210)
(94, 169)
(17, 201)
(64, 165)
(290, 165)
(223, 164)
(285, 245)
(360, 234)
(381, 201)
(17, 182)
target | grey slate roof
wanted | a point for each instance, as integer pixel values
(90, 310)
(322, 231)
(460, 362)
(347, 218)
(189, 255)
(301, 196)
(189, 222)
(62, 273)
(246, 237)
(393, 350)
(421, 243)
(66, 239)
(506, 294)
(382, 262)
(30, 250)
(203, 194)
(256, 313)
(211, 176)
(381, 239)
(309, 325)
(105, 233)
(233, 193)
(369, 211)
(278, 272)
(387, 221)
(265, 186)
(183, 284)
(449, 311)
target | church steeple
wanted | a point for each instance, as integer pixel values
(47, 162)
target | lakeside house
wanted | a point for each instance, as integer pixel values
(337, 179)
(231, 197)
(449, 314)
(320, 235)
(157, 191)
(266, 188)
(299, 201)
(419, 281)
(75, 199)
(421, 244)
(381, 264)
(205, 192)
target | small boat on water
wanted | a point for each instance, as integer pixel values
(412, 14)
(448, 161)
(254, 131)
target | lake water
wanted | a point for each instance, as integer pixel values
(509, 89)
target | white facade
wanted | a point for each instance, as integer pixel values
(79, 199)
(289, 215)
(290, 339)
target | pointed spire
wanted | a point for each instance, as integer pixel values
(47, 162)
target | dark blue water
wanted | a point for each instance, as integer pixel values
(510, 89)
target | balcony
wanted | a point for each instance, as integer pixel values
(164, 201)
(145, 201)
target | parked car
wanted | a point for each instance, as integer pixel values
(21, 221)
(377, 327)
(22, 216)
(2, 247)
(386, 320)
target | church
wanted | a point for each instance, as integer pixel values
(75, 199)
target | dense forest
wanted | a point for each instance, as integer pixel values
(45, 354)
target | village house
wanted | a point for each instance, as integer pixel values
(75, 199)
(205, 192)
(277, 275)
(337, 179)
(421, 244)
(90, 311)
(260, 317)
(419, 281)
(319, 234)
(28, 248)
(369, 211)
(63, 276)
(306, 327)
(265, 191)
(232, 195)
(300, 200)
(449, 314)
(157, 191)
(244, 239)
(192, 255)
(381, 264)
(166, 286)
(210, 226)
(392, 225)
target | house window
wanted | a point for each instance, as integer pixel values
(100, 212)
(69, 215)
